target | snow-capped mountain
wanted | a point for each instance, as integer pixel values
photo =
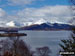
(10, 24)
(37, 25)
(13, 24)
(20, 24)
(45, 26)
(36, 22)
(40, 21)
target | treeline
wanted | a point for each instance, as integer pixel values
(15, 46)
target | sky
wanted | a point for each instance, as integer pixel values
(33, 10)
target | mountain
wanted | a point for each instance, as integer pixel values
(13, 24)
(41, 24)
(36, 22)
(40, 21)
(20, 24)
(48, 26)
(45, 25)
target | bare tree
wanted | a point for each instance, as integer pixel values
(43, 51)
(15, 46)
(72, 7)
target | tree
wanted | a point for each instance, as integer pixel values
(72, 7)
(69, 45)
(43, 51)
(15, 46)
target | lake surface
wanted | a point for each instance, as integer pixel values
(46, 38)
(51, 39)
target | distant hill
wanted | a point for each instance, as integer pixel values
(37, 25)
(48, 26)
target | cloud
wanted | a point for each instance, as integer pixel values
(51, 13)
(54, 14)
(2, 12)
(21, 2)
(46, 11)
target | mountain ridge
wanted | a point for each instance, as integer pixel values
(45, 26)
(21, 24)
(37, 25)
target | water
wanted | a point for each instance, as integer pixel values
(46, 38)
(51, 39)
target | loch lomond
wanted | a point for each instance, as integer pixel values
(46, 38)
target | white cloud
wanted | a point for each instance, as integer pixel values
(46, 11)
(21, 2)
(2, 12)
(50, 13)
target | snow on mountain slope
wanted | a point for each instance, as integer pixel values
(13, 24)
(40, 21)
(20, 24)
(10, 24)
(36, 22)
(28, 23)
